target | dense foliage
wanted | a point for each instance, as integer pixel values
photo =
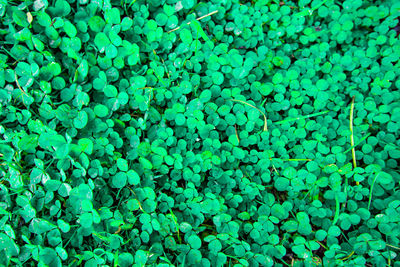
(199, 133)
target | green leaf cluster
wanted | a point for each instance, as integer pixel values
(199, 133)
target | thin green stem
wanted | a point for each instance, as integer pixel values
(250, 105)
(371, 189)
(302, 117)
(337, 211)
(359, 142)
(202, 17)
(296, 159)
(353, 151)
(287, 264)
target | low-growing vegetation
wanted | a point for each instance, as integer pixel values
(199, 133)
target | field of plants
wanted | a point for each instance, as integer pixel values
(199, 133)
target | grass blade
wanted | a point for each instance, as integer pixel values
(237, 136)
(199, 30)
(371, 189)
(337, 210)
(353, 150)
(273, 167)
(202, 17)
(176, 224)
(296, 159)
(319, 5)
(250, 105)
(309, 11)
(302, 117)
(348, 256)
(359, 142)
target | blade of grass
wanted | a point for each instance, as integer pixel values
(237, 136)
(19, 86)
(273, 166)
(264, 101)
(371, 189)
(319, 5)
(199, 30)
(132, 2)
(140, 206)
(353, 151)
(346, 185)
(296, 159)
(284, 262)
(309, 11)
(194, 8)
(337, 211)
(348, 256)
(250, 105)
(11, 55)
(302, 117)
(322, 245)
(308, 192)
(392, 246)
(183, 261)
(176, 224)
(200, 18)
(359, 142)
(197, 39)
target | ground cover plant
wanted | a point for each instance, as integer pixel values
(199, 133)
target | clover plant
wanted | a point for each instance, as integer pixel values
(199, 133)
